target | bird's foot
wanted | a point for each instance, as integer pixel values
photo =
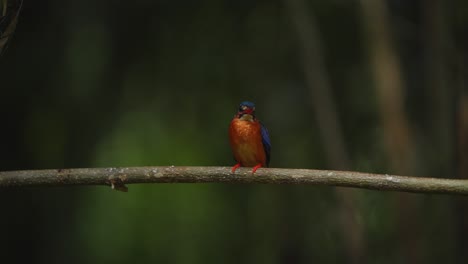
(256, 168)
(234, 168)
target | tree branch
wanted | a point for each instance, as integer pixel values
(118, 177)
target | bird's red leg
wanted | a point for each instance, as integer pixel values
(235, 167)
(256, 168)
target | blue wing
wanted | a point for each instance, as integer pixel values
(266, 143)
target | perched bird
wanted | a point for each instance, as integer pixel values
(250, 141)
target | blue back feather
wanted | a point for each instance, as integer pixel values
(266, 143)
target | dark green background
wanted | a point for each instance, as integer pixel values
(153, 83)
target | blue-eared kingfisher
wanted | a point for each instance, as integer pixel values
(250, 141)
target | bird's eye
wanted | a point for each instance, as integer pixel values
(242, 108)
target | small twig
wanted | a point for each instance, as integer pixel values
(118, 177)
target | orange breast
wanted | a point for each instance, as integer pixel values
(246, 142)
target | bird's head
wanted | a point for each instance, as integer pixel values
(246, 111)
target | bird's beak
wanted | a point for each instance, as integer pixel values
(246, 114)
(247, 111)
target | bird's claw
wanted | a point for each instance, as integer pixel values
(234, 168)
(256, 168)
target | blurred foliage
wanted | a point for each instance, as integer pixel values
(143, 83)
(9, 12)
